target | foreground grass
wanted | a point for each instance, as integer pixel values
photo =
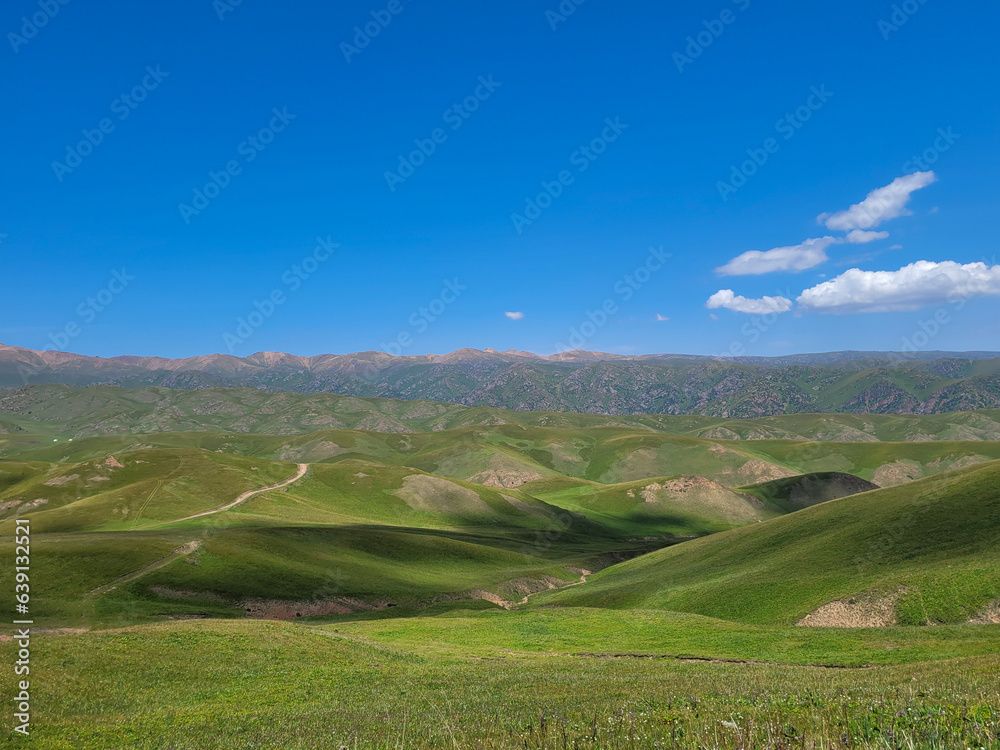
(655, 634)
(241, 684)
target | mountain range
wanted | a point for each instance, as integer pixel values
(579, 381)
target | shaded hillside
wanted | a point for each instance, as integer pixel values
(795, 493)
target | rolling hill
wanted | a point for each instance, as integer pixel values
(925, 553)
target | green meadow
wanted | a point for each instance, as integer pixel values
(495, 579)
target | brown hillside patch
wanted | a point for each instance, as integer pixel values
(274, 609)
(701, 494)
(437, 495)
(900, 472)
(990, 615)
(315, 450)
(502, 479)
(60, 481)
(505, 472)
(755, 471)
(869, 610)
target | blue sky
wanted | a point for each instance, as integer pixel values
(632, 116)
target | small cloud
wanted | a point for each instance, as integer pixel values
(514, 315)
(713, 316)
(862, 237)
(729, 300)
(896, 247)
(661, 318)
(793, 259)
(880, 205)
(935, 209)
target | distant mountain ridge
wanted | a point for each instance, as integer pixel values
(588, 382)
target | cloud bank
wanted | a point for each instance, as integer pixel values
(912, 287)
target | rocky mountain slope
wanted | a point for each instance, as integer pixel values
(587, 382)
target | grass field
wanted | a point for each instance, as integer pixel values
(511, 586)
(206, 685)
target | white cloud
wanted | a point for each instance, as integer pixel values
(514, 315)
(661, 318)
(729, 300)
(883, 204)
(896, 247)
(910, 288)
(794, 258)
(861, 237)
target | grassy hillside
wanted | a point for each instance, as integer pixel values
(932, 546)
(679, 505)
(134, 489)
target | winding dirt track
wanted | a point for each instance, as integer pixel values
(191, 547)
(303, 468)
(183, 551)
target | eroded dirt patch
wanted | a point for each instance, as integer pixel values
(870, 610)
(990, 615)
(900, 472)
(275, 609)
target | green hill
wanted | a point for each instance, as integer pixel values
(927, 552)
